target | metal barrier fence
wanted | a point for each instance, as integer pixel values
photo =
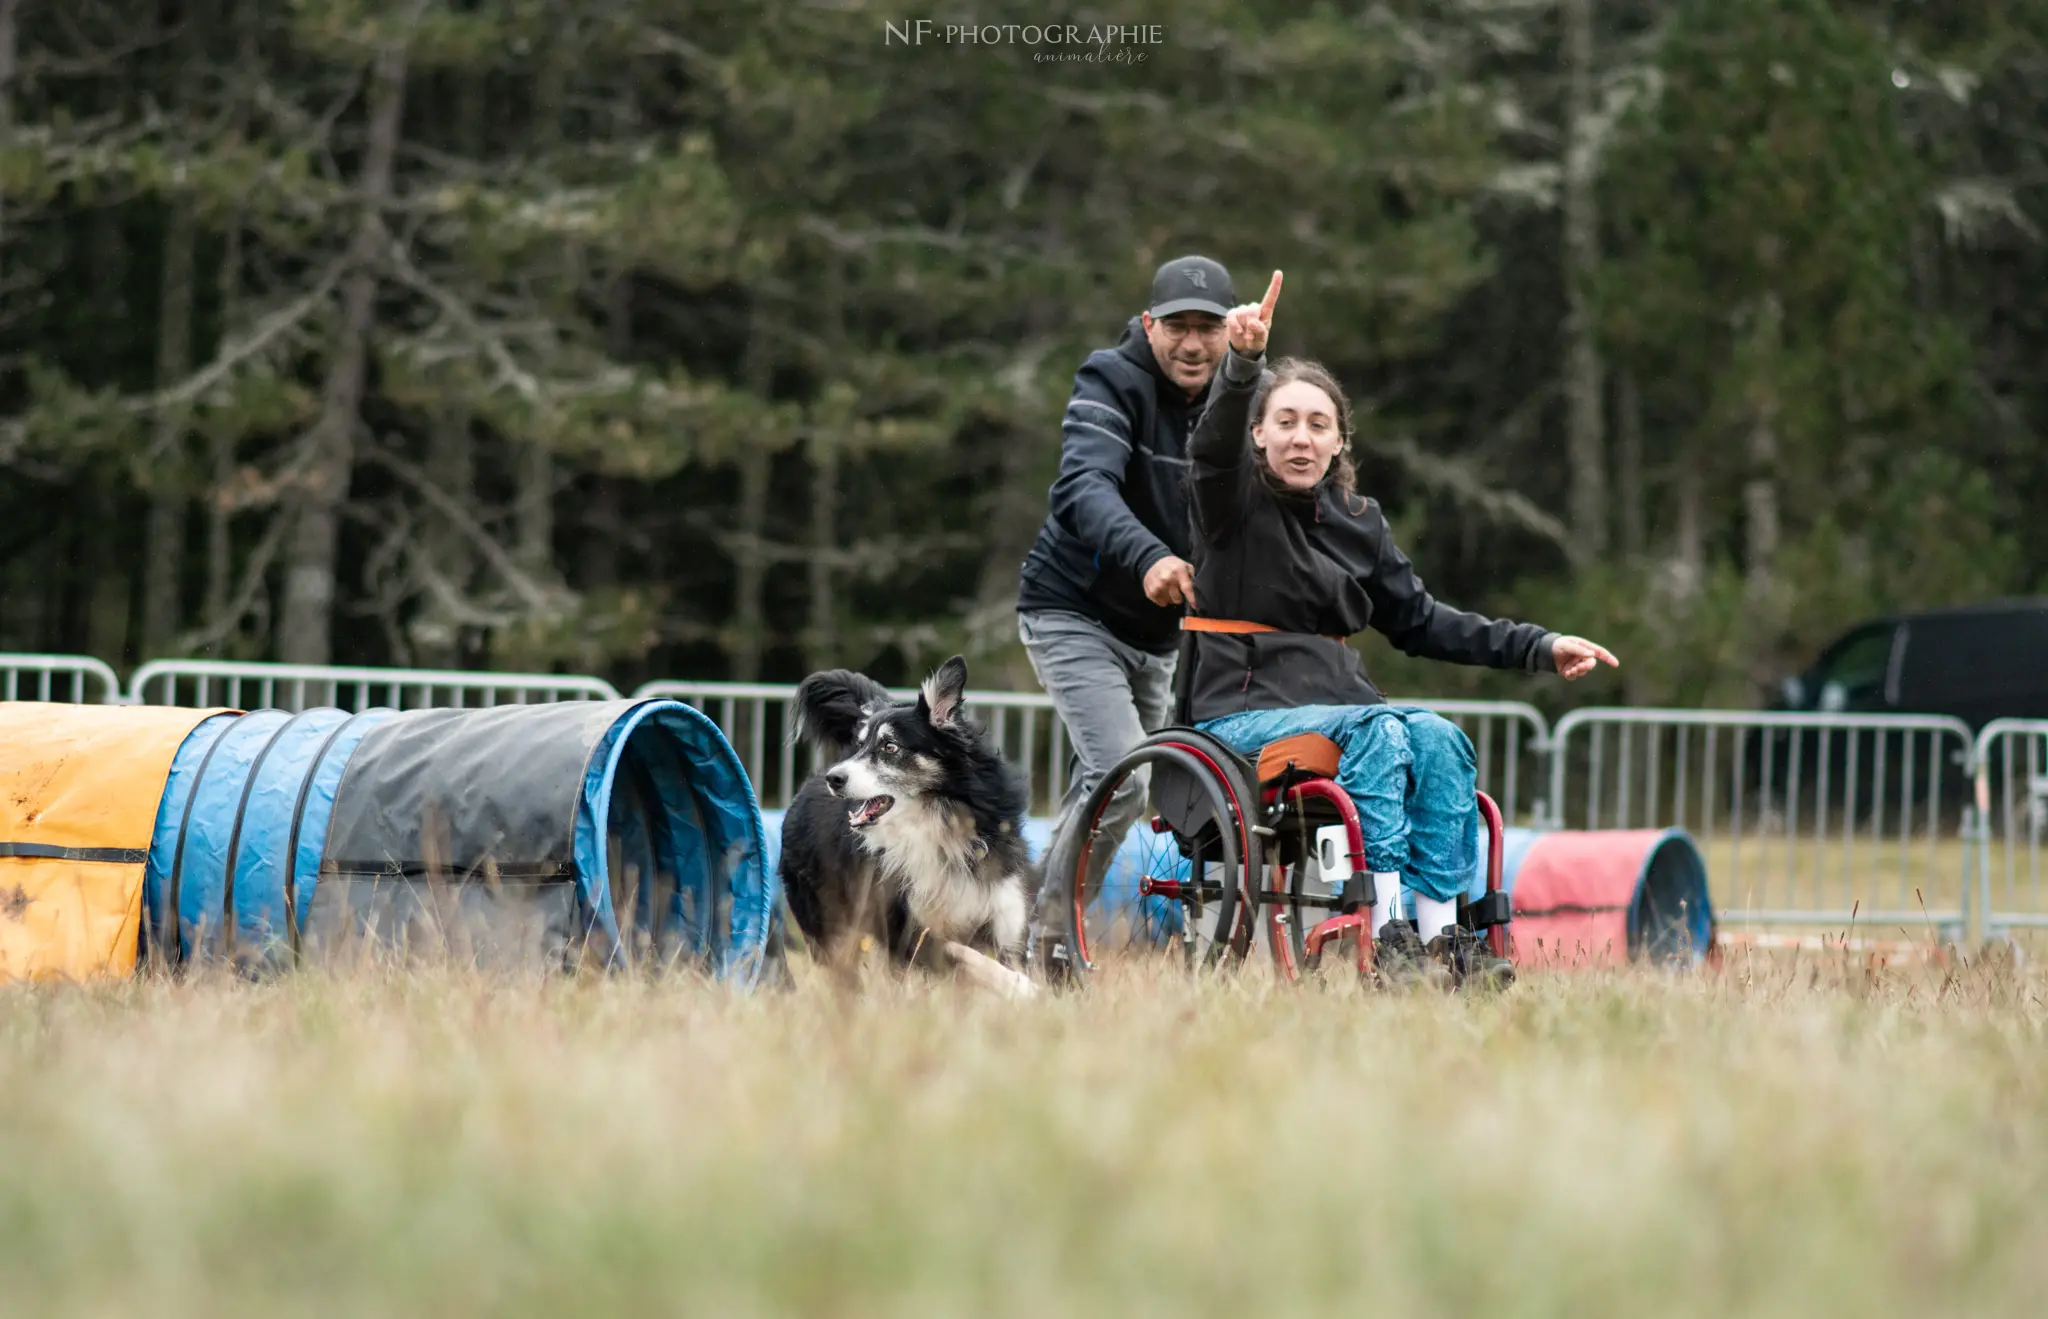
(759, 720)
(2012, 800)
(297, 686)
(1510, 738)
(1804, 819)
(68, 678)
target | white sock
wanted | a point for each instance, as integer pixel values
(1387, 888)
(1431, 916)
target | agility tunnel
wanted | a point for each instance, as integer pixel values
(1581, 898)
(620, 832)
(1599, 897)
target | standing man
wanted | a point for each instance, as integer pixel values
(1104, 586)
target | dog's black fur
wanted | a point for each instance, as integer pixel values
(913, 832)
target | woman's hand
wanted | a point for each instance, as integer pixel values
(1249, 324)
(1576, 657)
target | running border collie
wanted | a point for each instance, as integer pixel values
(913, 833)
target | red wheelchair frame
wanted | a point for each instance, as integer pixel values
(1200, 788)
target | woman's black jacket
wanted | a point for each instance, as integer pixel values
(1317, 565)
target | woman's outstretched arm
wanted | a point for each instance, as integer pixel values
(1421, 625)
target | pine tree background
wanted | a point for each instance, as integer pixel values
(660, 338)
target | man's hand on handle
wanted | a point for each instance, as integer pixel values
(1170, 581)
(1248, 325)
(1576, 657)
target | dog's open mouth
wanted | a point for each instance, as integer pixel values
(869, 811)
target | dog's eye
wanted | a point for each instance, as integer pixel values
(890, 748)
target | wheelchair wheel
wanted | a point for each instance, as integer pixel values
(1293, 897)
(1288, 917)
(1283, 902)
(1240, 785)
(1295, 907)
(1175, 885)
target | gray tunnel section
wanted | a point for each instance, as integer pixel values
(547, 836)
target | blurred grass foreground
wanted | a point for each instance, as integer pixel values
(1806, 1135)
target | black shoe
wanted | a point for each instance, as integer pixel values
(1468, 957)
(1399, 960)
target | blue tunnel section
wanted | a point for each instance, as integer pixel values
(615, 832)
(684, 854)
(236, 849)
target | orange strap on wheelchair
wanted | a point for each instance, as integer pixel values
(1234, 626)
(1238, 627)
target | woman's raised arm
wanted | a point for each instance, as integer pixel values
(1221, 447)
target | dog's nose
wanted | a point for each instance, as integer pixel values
(836, 781)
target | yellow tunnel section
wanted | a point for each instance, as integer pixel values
(79, 790)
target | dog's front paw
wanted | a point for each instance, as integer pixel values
(1023, 987)
(990, 974)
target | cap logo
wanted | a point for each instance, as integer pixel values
(1198, 279)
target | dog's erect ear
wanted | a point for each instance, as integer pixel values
(939, 699)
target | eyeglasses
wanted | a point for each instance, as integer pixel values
(1177, 330)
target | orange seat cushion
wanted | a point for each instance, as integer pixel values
(1309, 754)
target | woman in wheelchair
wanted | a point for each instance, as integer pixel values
(1290, 561)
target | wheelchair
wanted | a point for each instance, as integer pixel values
(1228, 845)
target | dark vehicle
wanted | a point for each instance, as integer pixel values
(1975, 663)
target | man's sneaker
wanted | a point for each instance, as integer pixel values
(1468, 957)
(1400, 961)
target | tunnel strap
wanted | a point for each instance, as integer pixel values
(1572, 909)
(122, 856)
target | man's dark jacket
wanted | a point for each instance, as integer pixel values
(1318, 565)
(1120, 503)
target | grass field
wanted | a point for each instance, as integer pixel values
(1786, 1137)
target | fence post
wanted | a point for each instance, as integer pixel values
(1548, 811)
(1987, 738)
(1977, 832)
(1557, 747)
(1969, 830)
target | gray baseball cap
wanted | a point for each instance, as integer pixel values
(1191, 283)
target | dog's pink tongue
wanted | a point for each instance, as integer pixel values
(870, 810)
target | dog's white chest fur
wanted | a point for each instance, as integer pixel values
(930, 853)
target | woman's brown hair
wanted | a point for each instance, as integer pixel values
(1285, 372)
